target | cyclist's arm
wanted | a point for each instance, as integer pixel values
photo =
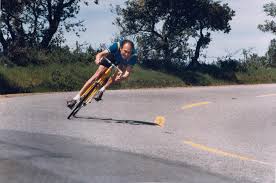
(100, 55)
(112, 49)
(125, 75)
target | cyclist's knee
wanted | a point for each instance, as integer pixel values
(97, 74)
(93, 78)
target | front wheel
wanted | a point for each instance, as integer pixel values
(83, 100)
(76, 109)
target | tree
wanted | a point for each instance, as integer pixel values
(269, 25)
(37, 23)
(271, 53)
(164, 28)
(211, 16)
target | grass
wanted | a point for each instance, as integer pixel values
(146, 78)
(255, 76)
(71, 77)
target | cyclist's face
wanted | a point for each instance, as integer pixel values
(126, 51)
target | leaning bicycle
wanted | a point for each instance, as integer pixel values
(88, 95)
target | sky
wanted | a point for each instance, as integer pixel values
(98, 22)
(244, 34)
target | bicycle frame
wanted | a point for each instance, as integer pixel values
(94, 88)
(101, 81)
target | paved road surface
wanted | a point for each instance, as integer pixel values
(210, 134)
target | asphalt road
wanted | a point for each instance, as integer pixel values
(209, 134)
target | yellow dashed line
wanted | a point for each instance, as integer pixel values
(160, 120)
(223, 153)
(267, 95)
(195, 105)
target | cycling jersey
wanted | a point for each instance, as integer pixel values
(114, 49)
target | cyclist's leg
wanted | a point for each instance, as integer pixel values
(101, 69)
(111, 80)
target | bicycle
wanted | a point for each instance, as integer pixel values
(88, 95)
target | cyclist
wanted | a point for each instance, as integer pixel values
(120, 53)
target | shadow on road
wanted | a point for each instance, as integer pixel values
(110, 120)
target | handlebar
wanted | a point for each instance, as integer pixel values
(112, 64)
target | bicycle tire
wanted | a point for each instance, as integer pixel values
(79, 105)
(75, 110)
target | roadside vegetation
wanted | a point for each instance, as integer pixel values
(34, 59)
(63, 70)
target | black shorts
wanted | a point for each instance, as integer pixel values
(106, 63)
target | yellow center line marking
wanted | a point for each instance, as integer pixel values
(160, 120)
(267, 95)
(223, 153)
(195, 105)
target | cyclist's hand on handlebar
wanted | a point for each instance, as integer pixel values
(119, 76)
(120, 73)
